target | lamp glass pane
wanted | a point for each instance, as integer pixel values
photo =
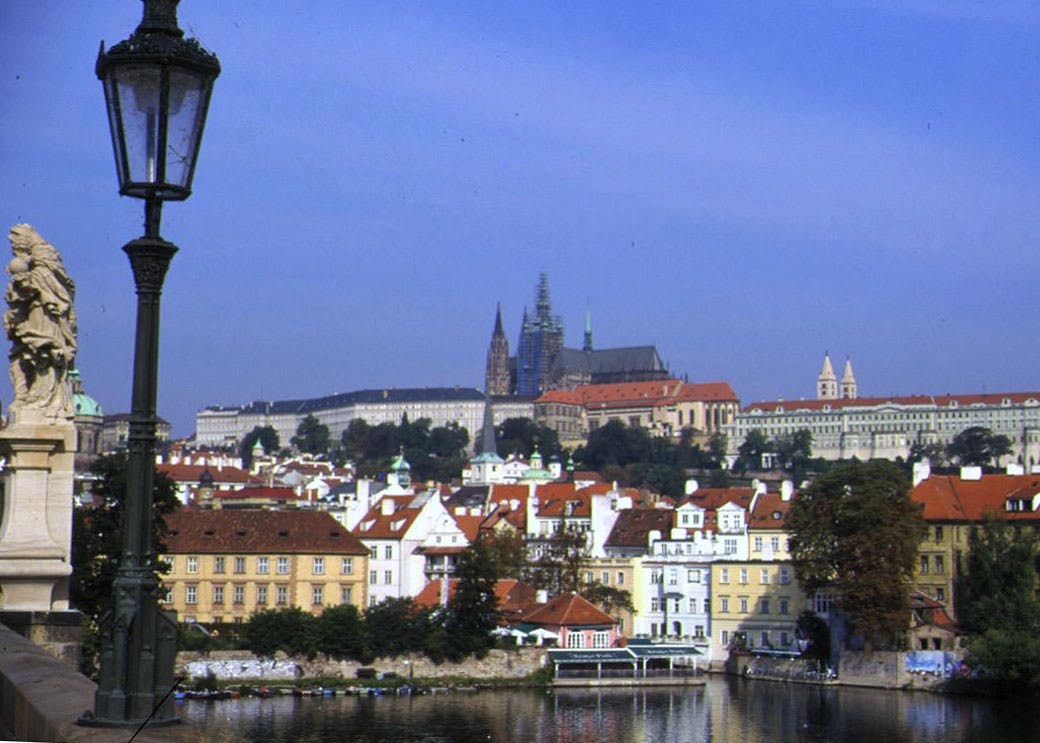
(189, 92)
(114, 127)
(138, 90)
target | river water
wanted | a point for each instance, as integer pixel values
(726, 710)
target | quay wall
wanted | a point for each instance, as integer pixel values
(237, 665)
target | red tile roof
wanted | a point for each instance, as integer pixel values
(511, 595)
(569, 610)
(470, 525)
(192, 472)
(633, 525)
(627, 394)
(376, 525)
(255, 531)
(770, 512)
(949, 498)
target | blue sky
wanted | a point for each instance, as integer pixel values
(746, 185)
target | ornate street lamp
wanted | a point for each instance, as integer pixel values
(157, 89)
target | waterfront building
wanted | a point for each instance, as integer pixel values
(953, 505)
(577, 622)
(227, 564)
(665, 408)
(754, 604)
(844, 425)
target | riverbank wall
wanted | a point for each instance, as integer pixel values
(232, 666)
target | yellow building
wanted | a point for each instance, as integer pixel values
(618, 573)
(228, 564)
(759, 600)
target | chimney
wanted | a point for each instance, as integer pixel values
(1015, 469)
(760, 487)
(541, 596)
(692, 486)
(786, 490)
(922, 471)
(971, 473)
(387, 505)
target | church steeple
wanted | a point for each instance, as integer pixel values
(587, 346)
(496, 372)
(827, 381)
(848, 381)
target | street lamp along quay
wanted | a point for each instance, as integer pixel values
(157, 89)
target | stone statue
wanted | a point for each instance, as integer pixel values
(41, 325)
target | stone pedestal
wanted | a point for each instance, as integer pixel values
(36, 515)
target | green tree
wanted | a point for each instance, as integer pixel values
(355, 439)
(521, 435)
(617, 444)
(342, 633)
(812, 628)
(396, 626)
(564, 558)
(312, 436)
(608, 598)
(979, 446)
(97, 542)
(473, 612)
(935, 453)
(793, 451)
(855, 532)
(998, 590)
(508, 551)
(750, 451)
(268, 439)
(290, 630)
(717, 446)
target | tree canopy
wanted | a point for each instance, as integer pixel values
(977, 445)
(268, 439)
(473, 611)
(522, 435)
(854, 532)
(312, 436)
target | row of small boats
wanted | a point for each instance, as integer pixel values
(317, 691)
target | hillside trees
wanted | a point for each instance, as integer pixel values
(979, 446)
(854, 532)
(312, 436)
(268, 439)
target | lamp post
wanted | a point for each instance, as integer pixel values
(157, 89)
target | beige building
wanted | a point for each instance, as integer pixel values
(664, 408)
(228, 564)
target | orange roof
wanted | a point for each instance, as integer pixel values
(949, 498)
(644, 393)
(193, 530)
(994, 398)
(770, 512)
(568, 610)
(192, 473)
(470, 525)
(377, 525)
(511, 595)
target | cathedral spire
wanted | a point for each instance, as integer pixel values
(827, 381)
(496, 371)
(848, 381)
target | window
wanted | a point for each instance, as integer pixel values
(785, 576)
(388, 577)
(588, 577)
(785, 640)
(924, 563)
(784, 605)
(193, 564)
(575, 639)
(317, 595)
(764, 579)
(262, 566)
(673, 576)
(218, 564)
(606, 578)
(774, 542)
(938, 534)
(725, 638)
(239, 594)
(282, 567)
(240, 565)
(940, 595)
(281, 595)
(724, 575)
(318, 566)
(374, 553)
(218, 594)
(345, 594)
(743, 604)
(166, 594)
(261, 595)
(729, 546)
(620, 578)
(600, 639)
(743, 576)
(693, 606)
(655, 603)
(765, 639)
(763, 606)
(373, 576)
(707, 606)
(371, 600)
(724, 605)
(940, 565)
(758, 544)
(388, 552)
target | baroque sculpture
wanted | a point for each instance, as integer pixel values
(41, 324)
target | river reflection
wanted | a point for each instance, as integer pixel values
(726, 710)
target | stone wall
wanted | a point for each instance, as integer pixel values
(232, 665)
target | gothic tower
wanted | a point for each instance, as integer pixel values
(848, 381)
(541, 340)
(827, 382)
(496, 374)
